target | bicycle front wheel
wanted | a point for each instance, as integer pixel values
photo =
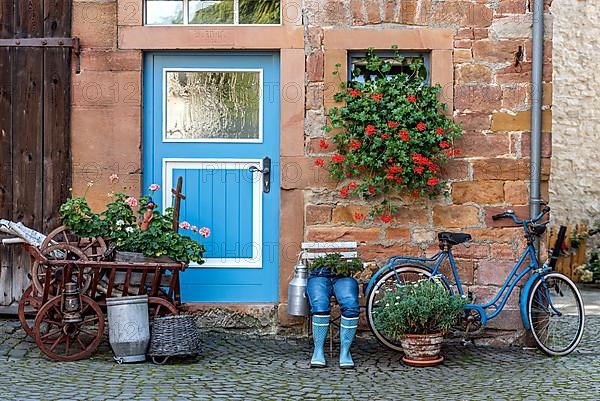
(556, 314)
(396, 277)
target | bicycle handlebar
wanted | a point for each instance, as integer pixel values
(511, 214)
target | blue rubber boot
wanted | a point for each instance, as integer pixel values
(320, 327)
(347, 333)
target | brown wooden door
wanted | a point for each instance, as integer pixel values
(34, 127)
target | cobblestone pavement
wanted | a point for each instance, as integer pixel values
(235, 367)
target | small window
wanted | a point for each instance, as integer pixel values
(210, 12)
(357, 62)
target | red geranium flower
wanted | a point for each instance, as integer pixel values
(404, 135)
(392, 124)
(319, 162)
(439, 131)
(344, 191)
(386, 218)
(448, 152)
(337, 158)
(355, 144)
(370, 130)
(421, 126)
(411, 98)
(358, 216)
(377, 96)
(323, 144)
(433, 168)
(444, 144)
(385, 136)
(399, 180)
(354, 92)
(433, 181)
(457, 152)
(371, 189)
(418, 169)
(352, 186)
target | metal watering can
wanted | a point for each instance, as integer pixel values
(297, 300)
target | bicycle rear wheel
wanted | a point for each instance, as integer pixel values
(399, 276)
(556, 314)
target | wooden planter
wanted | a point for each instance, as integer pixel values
(121, 256)
(422, 349)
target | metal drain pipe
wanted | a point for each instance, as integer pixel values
(537, 63)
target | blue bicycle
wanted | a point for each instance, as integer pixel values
(550, 303)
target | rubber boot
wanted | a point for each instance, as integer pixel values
(347, 332)
(320, 327)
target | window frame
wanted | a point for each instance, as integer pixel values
(353, 54)
(186, 10)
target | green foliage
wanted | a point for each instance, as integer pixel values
(337, 264)
(425, 307)
(392, 136)
(593, 265)
(119, 225)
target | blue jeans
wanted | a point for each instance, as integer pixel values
(322, 284)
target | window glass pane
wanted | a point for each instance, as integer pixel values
(259, 11)
(211, 104)
(164, 12)
(211, 12)
(359, 72)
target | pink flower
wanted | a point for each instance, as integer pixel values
(154, 187)
(185, 225)
(113, 178)
(194, 229)
(131, 201)
(205, 232)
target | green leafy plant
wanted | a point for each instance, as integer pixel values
(425, 307)
(391, 135)
(337, 264)
(593, 265)
(120, 225)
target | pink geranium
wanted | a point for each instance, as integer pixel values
(194, 229)
(154, 187)
(131, 201)
(185, 225)
(205, 232)
(113, 178)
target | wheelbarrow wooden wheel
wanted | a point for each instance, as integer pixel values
(94, 247)
(67, 342)
(60, 252)
(27, 310)
(159, 307)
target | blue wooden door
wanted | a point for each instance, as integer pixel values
(212, 118)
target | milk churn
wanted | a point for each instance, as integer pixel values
(297, 300)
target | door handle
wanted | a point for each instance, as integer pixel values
(266, 172)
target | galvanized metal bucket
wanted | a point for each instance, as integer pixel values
(128, 327)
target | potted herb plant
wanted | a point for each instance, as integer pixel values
(418, 315)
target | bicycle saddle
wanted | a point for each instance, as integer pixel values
(454, 238)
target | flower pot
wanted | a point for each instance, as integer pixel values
(422, 349)
(121, 256)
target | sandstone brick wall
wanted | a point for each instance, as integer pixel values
(106, 104)
(575, 183)
(491, 101)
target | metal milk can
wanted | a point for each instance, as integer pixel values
(297, 300)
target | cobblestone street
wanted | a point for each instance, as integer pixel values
(235, 367)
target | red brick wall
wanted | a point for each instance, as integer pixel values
(491, 101)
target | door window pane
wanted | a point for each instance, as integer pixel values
(164, 12)
(259, 11)
(211, 12)
(205, 105)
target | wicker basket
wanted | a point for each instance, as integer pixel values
(174, 336)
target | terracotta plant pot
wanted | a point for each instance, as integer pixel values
(422, 349)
